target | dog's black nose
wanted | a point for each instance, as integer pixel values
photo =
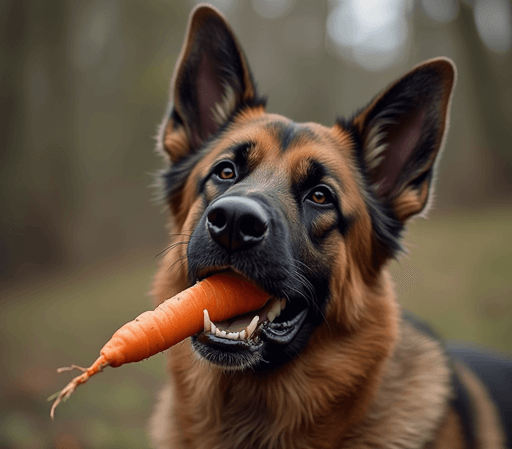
(237, 223)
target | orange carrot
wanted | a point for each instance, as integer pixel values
(171, 322)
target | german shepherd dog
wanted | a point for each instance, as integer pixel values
(312, 215)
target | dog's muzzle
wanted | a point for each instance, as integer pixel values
(237, 223)
(246, 235)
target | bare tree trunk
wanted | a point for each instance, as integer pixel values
(35, 160)
(490, 77)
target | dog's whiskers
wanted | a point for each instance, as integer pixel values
(185, 233)
(295, 274)
(170, 248)
(181, 259)
(304, 281)
(173, 245)
(299, 262)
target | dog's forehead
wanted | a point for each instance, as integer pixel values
(290, 148)
(279, 142)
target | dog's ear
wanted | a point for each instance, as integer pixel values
(211, 81)
(402, 132)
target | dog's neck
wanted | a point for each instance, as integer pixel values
(417, 362)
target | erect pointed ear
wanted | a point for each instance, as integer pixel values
(402, 132)
(211, 81)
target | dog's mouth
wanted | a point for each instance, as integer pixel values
(241, 341)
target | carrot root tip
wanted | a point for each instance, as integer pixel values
(68, 390)
(71, 368)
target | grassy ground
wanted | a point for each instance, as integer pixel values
(64, 320)
(457, 276)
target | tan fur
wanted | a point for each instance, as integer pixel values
(406, 411)
(489, 430)
(221, 111)
(450, 434)
(158, 425)
(410, 202)
(374, 145)
(175, 143)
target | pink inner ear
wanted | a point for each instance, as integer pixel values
(401, 141)
(209, 92)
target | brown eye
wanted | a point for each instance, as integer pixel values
(225, 171)
(321, 195)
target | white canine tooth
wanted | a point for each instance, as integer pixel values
(207, 322)
(252, 326)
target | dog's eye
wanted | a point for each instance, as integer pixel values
(321, 195)
(225, 171)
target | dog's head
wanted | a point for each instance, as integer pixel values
(309, 213)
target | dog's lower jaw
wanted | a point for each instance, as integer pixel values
(281, 409)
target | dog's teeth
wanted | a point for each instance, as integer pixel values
(233, 335)
(275, 310)
(252, 326)
(229, 335)
(214, 330)
(245, 334)
(207, 322)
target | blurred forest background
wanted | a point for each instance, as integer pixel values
(83, 86)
